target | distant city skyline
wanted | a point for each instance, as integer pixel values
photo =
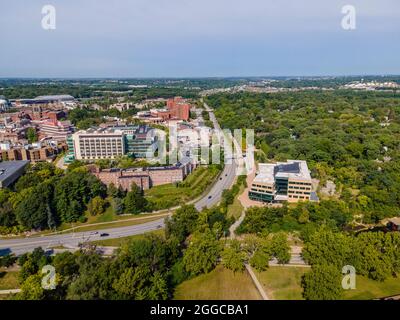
(197, 39)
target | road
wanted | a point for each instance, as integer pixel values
(23, 245)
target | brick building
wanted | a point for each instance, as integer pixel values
(145, 178)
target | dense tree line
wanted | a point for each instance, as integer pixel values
(46, 196)
(375, 255)
(349, 137)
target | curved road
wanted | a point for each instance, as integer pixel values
(22, 245)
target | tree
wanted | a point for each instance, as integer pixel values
(280, 248)
(134, 201)
(7, 215)
(232, 256)
(117, 206)
(96, 206)
(202, 254)
(260, 260)
(31, 135)
(34, 210)
(182, 223)
(323, 282)
(31, 289)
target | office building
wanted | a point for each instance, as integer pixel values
(283, 181)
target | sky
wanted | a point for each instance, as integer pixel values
(198, 38)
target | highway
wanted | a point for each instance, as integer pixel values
(23, 245)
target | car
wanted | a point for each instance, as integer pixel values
(226, 175)
(209, 197)
(93, 233)
(104, 234)
(159, 226)
(220, 178)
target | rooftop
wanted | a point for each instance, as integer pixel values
(292, 169)
(8, 168)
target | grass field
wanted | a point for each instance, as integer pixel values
(120, 241)
(282, 283)
(219, 284)
(236, 208)
(171, 195)
(8, 279)
(370, 289)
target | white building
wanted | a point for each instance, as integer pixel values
(98, 144)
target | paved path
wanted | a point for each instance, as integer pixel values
(257, 283)
(10, 291)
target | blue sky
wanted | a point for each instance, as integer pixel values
(197, 38)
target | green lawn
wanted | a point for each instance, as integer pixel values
(282, 283)
(120, 241)
(8, 279)
(370, 289)
(219, 284)
(236, 208)
(171, 195)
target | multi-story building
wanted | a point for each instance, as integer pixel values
(179, 108)
(144, 178)
(98, 144)
(109, 143)
(58, 130)
(34, 153)
(282, 181)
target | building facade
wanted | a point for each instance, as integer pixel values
(112, 142)
(98, 144)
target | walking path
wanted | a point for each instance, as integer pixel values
(257, 283)
(9, 291)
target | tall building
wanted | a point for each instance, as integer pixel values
(178, 108)
(98, 144)
(109, 143)
(283, 181)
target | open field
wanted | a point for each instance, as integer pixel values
(282, 283)
(8, 279)
(370, 289)
(121, 241)
(219, 284)
(171, 195)
(236, 208)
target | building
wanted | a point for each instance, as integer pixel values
(282, 181)
(4, 104)
(58, 130)
(11, 171)
(34, 153)
(97, 144)
(61, 99)
(109, 143)
(178, 108)
(140, 142)
(144, 178)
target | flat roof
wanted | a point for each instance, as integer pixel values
(8, 168)
(292, 169)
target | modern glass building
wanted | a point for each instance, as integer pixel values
(283, 181)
